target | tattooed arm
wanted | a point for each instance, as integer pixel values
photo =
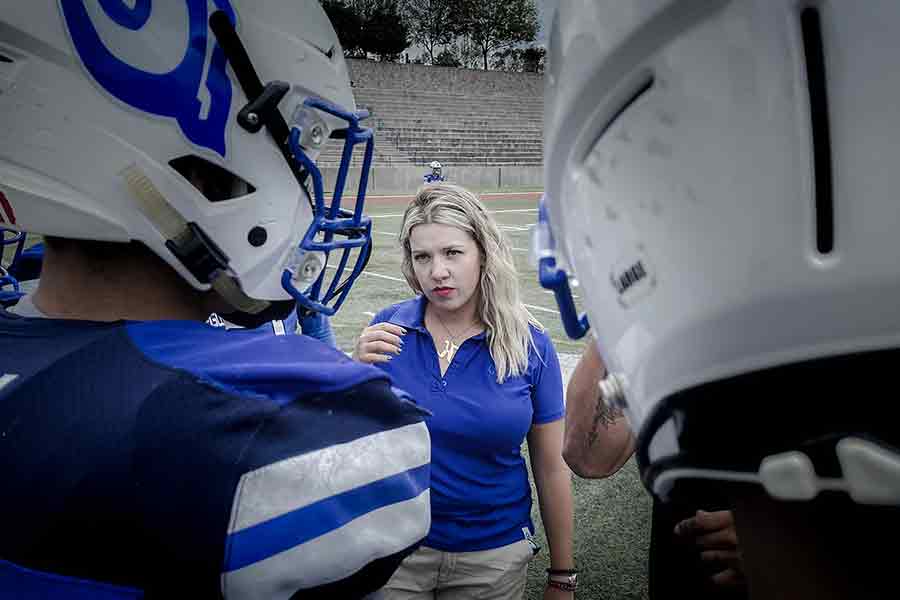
(598, 440)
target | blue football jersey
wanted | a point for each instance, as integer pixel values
(175, 459)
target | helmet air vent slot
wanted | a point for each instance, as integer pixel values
(10, 66)
(621, 102)
(642, 88)
(814, 53)
(216, 183)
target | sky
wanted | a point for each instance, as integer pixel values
(546, 8)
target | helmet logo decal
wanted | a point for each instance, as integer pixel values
(7, 215)
(629, 277)
(196, 92)
(633, 278)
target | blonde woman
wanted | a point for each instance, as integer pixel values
(468, 350)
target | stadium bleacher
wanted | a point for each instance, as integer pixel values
(472, 126)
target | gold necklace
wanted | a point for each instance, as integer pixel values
(450, 347)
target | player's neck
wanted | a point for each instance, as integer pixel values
(133, 288)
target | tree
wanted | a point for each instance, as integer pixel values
(469, 54)
(493, 25)
(432, 23)
(384, 32)
(508, 59)
(529, 60)
(533, 59)
(447, 58)
(348, 25)
(365, 8)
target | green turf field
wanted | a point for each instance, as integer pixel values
(612, 517)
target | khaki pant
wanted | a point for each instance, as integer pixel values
(497, 574)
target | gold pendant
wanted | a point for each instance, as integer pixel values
(449, 350)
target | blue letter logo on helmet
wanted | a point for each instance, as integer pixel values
(199, 106)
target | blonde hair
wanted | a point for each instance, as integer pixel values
(499, 308)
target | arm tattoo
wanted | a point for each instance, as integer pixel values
(603, 415)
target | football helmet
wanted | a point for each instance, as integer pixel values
(435, 174)
(11, 244)
(192, 127)
(720, 177)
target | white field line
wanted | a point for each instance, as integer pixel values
(575, 296)
(389, 278)
(379, 275)
(394, 235)
(495, 212)
(541, 309)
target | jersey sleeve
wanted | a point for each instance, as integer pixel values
(261, 499)
(547, 389)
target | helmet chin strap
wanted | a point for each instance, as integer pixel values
(188, 242)
(871, 474)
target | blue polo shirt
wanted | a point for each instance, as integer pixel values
(480, 494)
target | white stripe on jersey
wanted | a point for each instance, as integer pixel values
(291, 484)
(7, 378)
(335, 555)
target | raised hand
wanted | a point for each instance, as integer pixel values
(378, 343)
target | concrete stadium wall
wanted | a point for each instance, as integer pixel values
(385, 75)
(406, 180)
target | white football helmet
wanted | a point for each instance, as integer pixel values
(721, 177)
(111, 111)
(12, 242)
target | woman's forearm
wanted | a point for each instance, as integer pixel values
(554, 490)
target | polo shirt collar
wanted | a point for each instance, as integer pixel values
(411, 315)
